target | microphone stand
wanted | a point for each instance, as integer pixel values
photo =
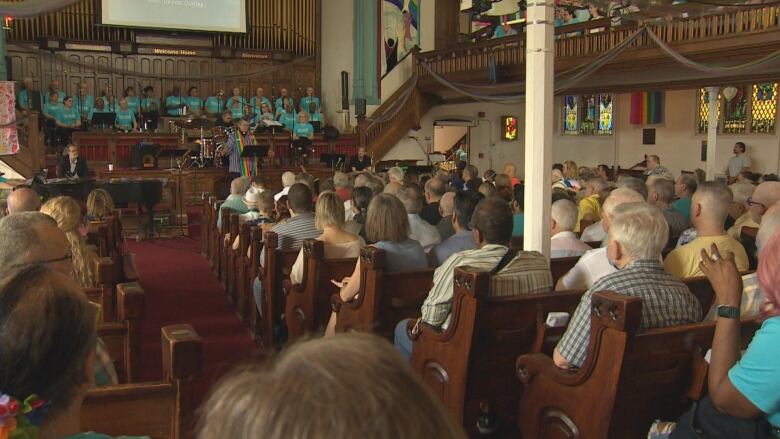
(427, 156)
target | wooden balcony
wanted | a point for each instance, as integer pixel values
(735, 36)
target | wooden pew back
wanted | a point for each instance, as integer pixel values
(276, 268)
(157, 409)
(242, 287)
(123, 337)
(470, 365)
(307, 304)
(560, 266)
(384, 298)
(103, 293)
(634, 379)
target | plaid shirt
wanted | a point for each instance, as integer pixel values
(105, 374)
(667, 301)
(527, 273)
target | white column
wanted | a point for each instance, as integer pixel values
(540, 52)
(712, 133)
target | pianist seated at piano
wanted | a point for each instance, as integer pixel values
(287, 117)
(71, 165)
(303, 129)
(125, 117)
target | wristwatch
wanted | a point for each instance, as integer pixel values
(729, 312)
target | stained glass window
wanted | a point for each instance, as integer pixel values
(571, 119)
(735, 112)
(605, 114)
(589, 112)
(704, 109)
(764, 108)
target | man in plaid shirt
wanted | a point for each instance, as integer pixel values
(637, 234)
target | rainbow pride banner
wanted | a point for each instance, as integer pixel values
(647, 107)
(247, 164)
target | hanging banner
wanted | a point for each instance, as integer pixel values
(400, 30)
(9, 140)
(647, 107)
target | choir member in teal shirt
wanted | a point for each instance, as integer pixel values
(258, 99)
(237, 98)
(54, 87)
(100, 107)
(111, 104)
(280, 105)
(125, 118)
(315, 115)
(303, 128)
(84, 101)
(264, 113)
(309, 99)
(287, 117)
(52, 106)
(67, 116)
(215, 105)
(174, 103)
(236, 108)
(24, 100)
(194, 102)
(149, 103)
(133, 103)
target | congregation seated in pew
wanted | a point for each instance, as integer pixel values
(637, 233)
(564, 242)
(67, 213)
(465, 203)
(100, 206)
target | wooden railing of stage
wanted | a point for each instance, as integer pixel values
(288, 25)
(596, 36)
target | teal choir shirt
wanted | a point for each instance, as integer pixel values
(683, 205)
(150, 104)
(67, 116)
(215, 105)
(304, 130)
(256, 105)
(85, 106)
(133, 104)
(315, 117)
(305, 101)
(60, 93)
(51, 110)
(124, 119)
(241, 103)
(517, 224)
(280, 107)
(173, 101)
(288, 120)
(194, 103)
(236, 112)
(24, 100)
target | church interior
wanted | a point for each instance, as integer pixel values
(389, 218)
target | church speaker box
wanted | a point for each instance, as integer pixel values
(344, 90)
(360, 107)
(648, 136)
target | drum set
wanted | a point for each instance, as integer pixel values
(205, 150)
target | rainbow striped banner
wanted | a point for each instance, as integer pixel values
(647, 107)
(247, 164)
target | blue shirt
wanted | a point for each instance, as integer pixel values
(84, 107)
(757, 375)
(23, 99)
(517, 224)
(256, 105)
(236, 112)
(60, 93)
(279, 105)
(288, 120)
(52, 109)
(67, 116)
(305, 101)
(315, 117)
(174, 100)
(683, 205)
(454, 244)
(304, 130)
(133, 104)
(124, 119)
(150, 104)
(194, 103)
(215, 105)
(241, 101)
(403, 256)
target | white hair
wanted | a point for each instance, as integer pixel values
(620, 196)
(564, 213)
(288, 179)
(395, 174)
(770, 224)
(340, 179)
(741, 191)
(641, 229)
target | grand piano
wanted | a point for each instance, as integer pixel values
(146, 192)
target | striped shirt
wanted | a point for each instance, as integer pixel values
(666, 301)
(527, 273)
(295, 230)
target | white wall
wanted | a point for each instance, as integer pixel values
(677, 143)
(337, 42)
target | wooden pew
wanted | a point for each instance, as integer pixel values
(384, 299)
(103, 293)
(702, 289)
(97, 235)
(158, 409)
(275, 269)
(214, 205)
(627, 381)
(123, 337)
(224, 229)
(470, 365)
(231, 269)
(242, 286)
(307, 305)
(204, 224)
(253, 272)
(560, 266)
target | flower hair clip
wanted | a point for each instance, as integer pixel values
(20, 419)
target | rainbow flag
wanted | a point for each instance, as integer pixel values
(247, 164)
(647, 107)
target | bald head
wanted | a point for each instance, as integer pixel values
(447, 204)
(23, 200)
(765, 195)
(621, 195)
(393, 188)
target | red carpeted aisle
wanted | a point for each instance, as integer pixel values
(181, 288)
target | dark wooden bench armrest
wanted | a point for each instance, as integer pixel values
(131, 301)
(531, 366)
(182, 352)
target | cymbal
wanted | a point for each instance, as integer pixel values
(194, 123)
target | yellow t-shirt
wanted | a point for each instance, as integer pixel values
(683, 261)
(743, 221)
(589, 206)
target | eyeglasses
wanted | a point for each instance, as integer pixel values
(752, 203)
